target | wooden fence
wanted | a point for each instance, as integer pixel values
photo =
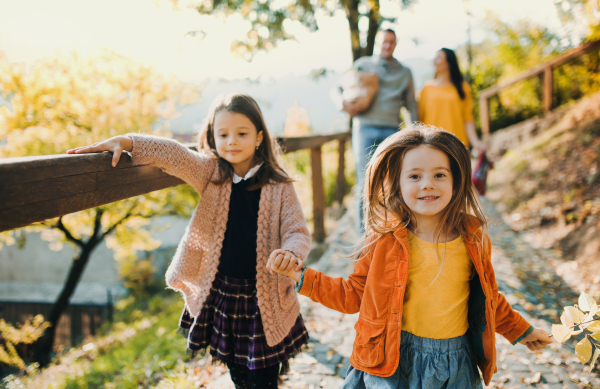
(33, 189)
(544, 69)
(77, 323)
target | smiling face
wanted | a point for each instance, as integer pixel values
(236, 139)
(426, 181)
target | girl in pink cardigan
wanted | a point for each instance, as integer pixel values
(248, 212)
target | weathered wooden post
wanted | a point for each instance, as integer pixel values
(341, 177)
(547, 90)
(318, 195)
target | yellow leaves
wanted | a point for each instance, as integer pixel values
(575, 314)
(594, 326)
(583, 350)
(54, 237)
(95, 95)
(560, 332)
(26, 333)
(581, 316)
(587, 303)
(567, 320)
(9, 356)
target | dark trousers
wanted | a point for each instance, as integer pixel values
(244, 378)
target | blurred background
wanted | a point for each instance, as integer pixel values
(73, 72)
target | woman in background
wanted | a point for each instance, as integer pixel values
(446, 101)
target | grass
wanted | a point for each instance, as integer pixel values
(152, 353)
(139, 351)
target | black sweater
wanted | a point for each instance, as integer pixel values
(238, 255)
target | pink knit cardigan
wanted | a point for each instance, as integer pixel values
(281, 225)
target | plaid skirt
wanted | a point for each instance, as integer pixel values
(230, 324)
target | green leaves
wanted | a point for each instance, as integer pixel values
(583, 317)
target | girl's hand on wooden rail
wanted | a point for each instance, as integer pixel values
(115, 145)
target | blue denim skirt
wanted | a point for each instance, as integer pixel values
(425, 364)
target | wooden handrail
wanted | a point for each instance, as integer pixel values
(38, 188)
(544, 68)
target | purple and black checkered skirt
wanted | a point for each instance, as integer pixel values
(230, 324)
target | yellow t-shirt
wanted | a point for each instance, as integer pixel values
(437, 309)
(442, 107)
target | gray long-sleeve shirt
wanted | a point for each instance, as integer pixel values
(396, 89)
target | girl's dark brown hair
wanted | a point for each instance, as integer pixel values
(268, 151)
(383, 207)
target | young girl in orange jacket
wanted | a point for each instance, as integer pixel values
(424, 283)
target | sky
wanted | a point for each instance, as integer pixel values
(152, 32)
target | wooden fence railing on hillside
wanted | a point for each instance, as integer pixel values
(33, 189)
(545, 69)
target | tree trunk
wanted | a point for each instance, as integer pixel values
(352, 14)
(42, 348)
(373, 28)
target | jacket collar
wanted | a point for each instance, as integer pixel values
(473, 227)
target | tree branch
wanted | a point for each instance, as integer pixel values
(97, 223)
(60, 226)
(112, 228)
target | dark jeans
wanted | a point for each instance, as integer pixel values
(244, 378)
(365, 140)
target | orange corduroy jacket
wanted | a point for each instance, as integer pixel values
(376, 290)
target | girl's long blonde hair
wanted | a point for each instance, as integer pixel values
(384, 209)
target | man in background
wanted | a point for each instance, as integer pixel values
(382, 118)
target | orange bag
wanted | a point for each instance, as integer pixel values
(360, 87)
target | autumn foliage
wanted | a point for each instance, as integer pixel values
(582, 318)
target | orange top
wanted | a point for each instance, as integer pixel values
(441, 106)
(376, 289)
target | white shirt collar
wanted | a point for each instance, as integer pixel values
(251, 172)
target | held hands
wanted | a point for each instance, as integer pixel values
(536, 340)
(286, 263)
(116, 145)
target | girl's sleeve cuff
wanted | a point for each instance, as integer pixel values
(299, 286)
(520, 338)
